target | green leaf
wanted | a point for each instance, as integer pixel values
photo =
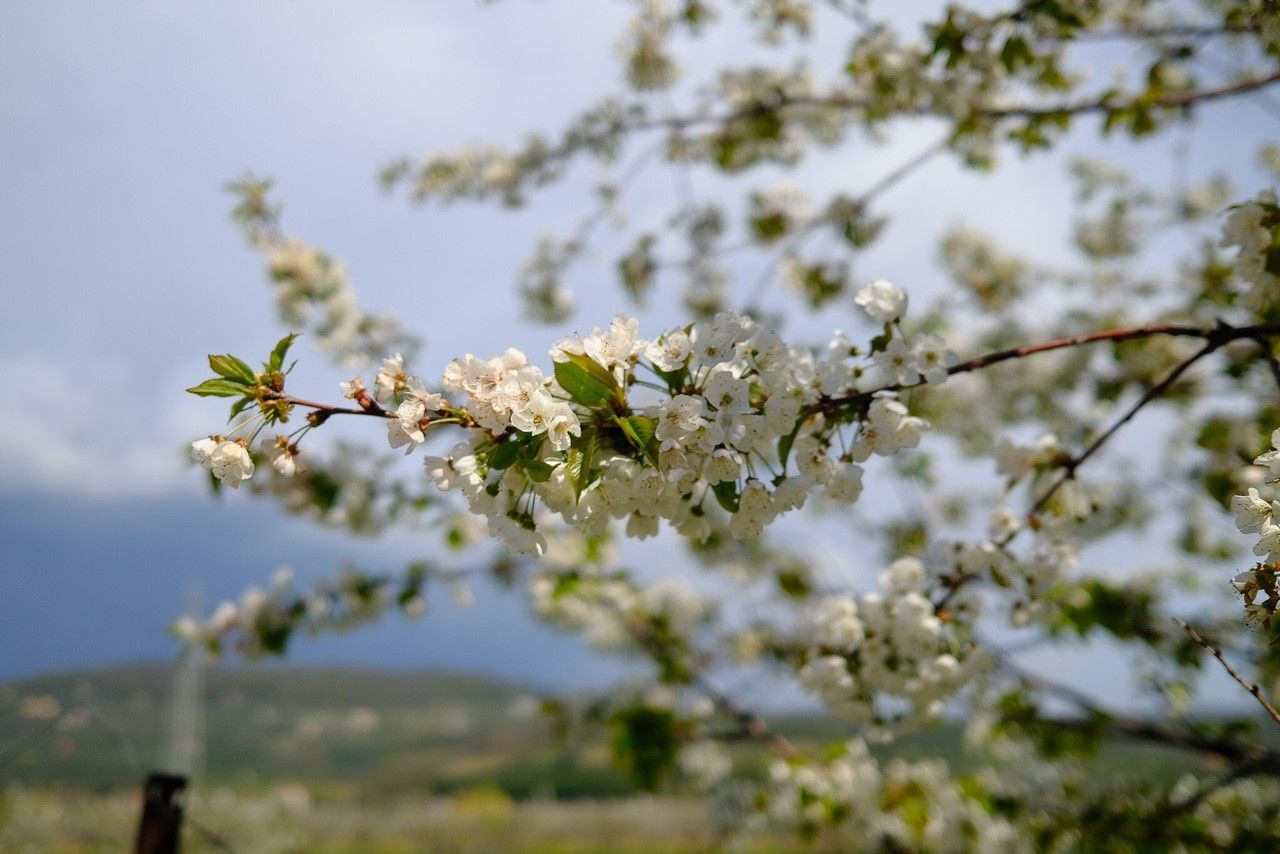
(274, 636)
(239, 406)
(504, 456)
(881, 341)
(1016, 54)
(218, 388)
(769, 227)
(565, 584)
(587, 381)
(529, 448)
(675, 380)
(794, 582)
(640, 430)
(785, 443)
(232, 368)
(645, 743)
(578, 459)
(276, 362)
(727, 494)
(538, 471)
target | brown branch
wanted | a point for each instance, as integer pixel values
(1176, 100)
(1172, 31)
(1251, 687)
(1221, 334)
(641, 121)
(1265, 761)
(1138, 729)
(1214, 339)
(326, 409)
(751, 724)
(898, 174)
(1072, 464)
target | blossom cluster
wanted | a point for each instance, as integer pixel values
(264, 618)
(313, 290)
(609, 609)
(891, 642)
(706, 762)
(903, 805)
(733, 409)
(1254, 514)
(1251, 229)
(1259, 514)
(720, 425)
(976, 263)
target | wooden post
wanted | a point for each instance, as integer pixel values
(160, 829)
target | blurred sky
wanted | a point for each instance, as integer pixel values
(122, 122)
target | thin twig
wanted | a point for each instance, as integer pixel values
(1251, 687)
(751, 724)
(860, 202)
(1138, 729)
(328, 409)
(1071, 465)
(1245, 769)
(1214, 339)
(1172, 31)
(1177, 100)
(1225, 334)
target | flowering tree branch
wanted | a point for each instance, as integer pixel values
(1216, 337)
(750, 724)
(1100, 720)
(1106, 104)
(717, 427)
(1251, 687)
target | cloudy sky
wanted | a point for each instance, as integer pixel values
(123, 121)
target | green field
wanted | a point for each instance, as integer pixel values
(334, 759)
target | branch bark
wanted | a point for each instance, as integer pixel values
(1251, 687)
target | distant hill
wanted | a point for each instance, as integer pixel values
(357, 733)
(349, 730)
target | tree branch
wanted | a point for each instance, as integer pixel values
(750, 724)
(1219, 335)
(1137, 729)
(1071, 465)
(1176, 100)
(1251, 687)
(1172, 31)
(1214, 339)
(886, 183)
(326, 409)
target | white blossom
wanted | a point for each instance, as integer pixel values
(229, 461)
(884, 301)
